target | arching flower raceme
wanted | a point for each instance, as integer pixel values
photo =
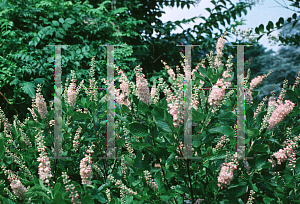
(71, 94)
(40, 103)
(142, 86)
(280, 113)
(18, 189)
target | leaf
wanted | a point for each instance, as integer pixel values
(138, 130)
(58, 198)
(227, 118)
(224, 130)
(169, 161)
(56, 188)
(80, 116)
(55, 23)
(61, 20)
(158, 116)
(197, 117)
(69, 21)
(87, 199)
(143, 107)
(29, 88)
(260, 148)
(294, 16)
(122, 118)
(261, 28)
(281, 20)
(259, 162)
(139, 144)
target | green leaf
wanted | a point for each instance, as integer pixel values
(58, 198)
(226, 118)
(294, 15)
(55, 23)
(81, 116)
(138, 130)
(87, 199)
(29, 88)
(125, 108)
(56, 188)
(197, 141)
(61, 20)
(143, 107)
(34, 124)
(128, 159)
(122, 118)
(281, 20)
(289, 19)
(169, 161)
(140, 144)
(158, 117)
(259, 162)
(261, 28)
(70, 21)
(260, 148)
(224, 130)
(197, 117)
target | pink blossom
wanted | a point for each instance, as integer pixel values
(71, 94)
(255, 82)
(143, 89)
(280, 113)
(41, 105)
(216, 95)
(18, 189)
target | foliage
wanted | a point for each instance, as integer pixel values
(282, 23)
(29, 26)
(152, 139)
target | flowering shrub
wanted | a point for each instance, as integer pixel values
(149, 139)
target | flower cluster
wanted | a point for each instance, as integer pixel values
(226, 173)
(224, 139)
(125, 91)
(150, 181)
(251, 197)
(18, 188)
(44, 166)
(280, 113)
(124, 189)
(40, 103)
(76, 139)
(70, 188)
(287, 152)
(86, 167)
(219, 50)
(142, 86)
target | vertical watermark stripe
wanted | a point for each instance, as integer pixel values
(188, 87)
(57, 105)
(241, 103)
(110, 140)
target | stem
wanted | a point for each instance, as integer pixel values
(162, 172)
(191, 187)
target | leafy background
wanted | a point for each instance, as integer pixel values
(28, 26)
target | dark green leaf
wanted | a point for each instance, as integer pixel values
(138, 130)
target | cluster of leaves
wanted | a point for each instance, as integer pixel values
(29, 26)
(155, 140)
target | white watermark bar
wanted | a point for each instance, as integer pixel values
(188, 152)
(241, 103)
(110, 140)
(57, 105)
